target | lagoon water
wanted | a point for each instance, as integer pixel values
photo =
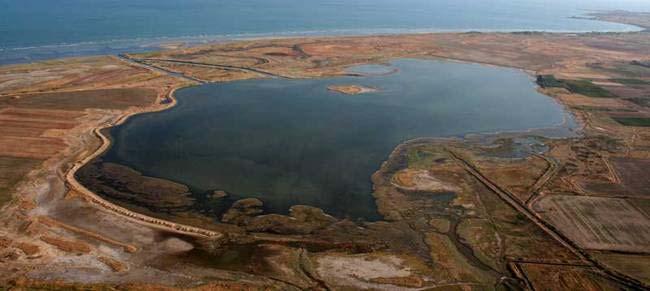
(42, 29)
(295, 142)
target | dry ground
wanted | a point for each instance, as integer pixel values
(598, 223)
(547, 277)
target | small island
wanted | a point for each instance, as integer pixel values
(351, 89)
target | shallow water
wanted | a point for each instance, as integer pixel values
(295, 142)
(372, 70)
(42, 29)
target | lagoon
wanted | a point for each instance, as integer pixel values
(291, 142)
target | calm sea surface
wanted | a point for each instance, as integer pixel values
(295, 142)
(41, 29)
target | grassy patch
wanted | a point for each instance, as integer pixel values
(633, 121)
(587, 88)
(582, 87)
(549, 81)
(420, 158)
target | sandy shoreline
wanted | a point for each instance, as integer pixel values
(121, 211)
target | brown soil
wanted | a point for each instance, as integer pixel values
(80, 100)
(548, 277)
(67, 245)
(115, 265)
(598, 223)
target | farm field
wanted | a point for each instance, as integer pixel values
(598, 223)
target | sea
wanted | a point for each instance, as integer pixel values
(32, 30)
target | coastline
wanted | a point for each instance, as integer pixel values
(154, 44)
(143, 219)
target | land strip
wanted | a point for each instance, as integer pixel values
(144, 64)
(224, 67)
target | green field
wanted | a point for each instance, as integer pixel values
(633, 121)
(582, 87)
(549, 81)
(423, 157)
(587, 88)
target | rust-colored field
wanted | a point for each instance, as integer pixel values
(120, 98)
(633, 174)
(67, 245)
(70, 74)
(518, 176)
(12, 170)
(23, 131)
(40, 104)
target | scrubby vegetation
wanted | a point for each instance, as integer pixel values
(549, 81)
(631, 81)
(421, 157)
(640, 101)
(642, 63)
(582, 87)
(587, 88)
(633, 121)
(600, 109)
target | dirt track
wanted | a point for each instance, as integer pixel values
(140, 218)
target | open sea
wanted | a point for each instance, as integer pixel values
(44, 29)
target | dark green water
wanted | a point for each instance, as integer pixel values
(295, 142)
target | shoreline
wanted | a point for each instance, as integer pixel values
(161, 43)
(149, 221)
(169, 225)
